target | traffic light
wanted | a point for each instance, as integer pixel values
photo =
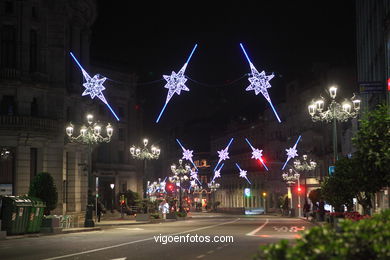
(264, 194)
(122, 199)
(299, 189)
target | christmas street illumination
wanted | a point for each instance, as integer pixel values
(94, 86)
(305, 166)
(175, 83)
(335, 112)
(260, 83)
(89, 135)
(291, 152)
(187, 154)
(217, 173)
(257, 154)
(194, 175)
(243, 173)
(223, 154)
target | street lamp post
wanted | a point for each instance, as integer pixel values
(112, 185)
(144, 154)
(290, 179)
(335, 112)
(305, 166)
(213, 186)
(90, 135)
(180, 175)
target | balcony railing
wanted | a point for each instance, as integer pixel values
(28, 123)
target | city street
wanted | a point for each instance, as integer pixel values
(139, 241)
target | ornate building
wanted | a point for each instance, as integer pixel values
(40, 92)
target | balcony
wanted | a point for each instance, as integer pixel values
(27, 123)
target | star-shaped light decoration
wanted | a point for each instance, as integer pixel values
(194, 175)
(291, 152)
(217, 173)
(175, 83)
(223, 154)
(94, 86)
(257, 154)
(193, 183)
(187, 154)
(243, 173)
(260, 82)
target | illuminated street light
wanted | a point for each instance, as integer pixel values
(144, 154)
(335, 112)
(180, 175)
(90, 135)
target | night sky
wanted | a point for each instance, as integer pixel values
(284, 37)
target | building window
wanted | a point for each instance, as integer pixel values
(33, 51)
(121, 112)
(9, 7)
(8, 106)
(34, 12)
(121, 134)
(34, 107)
(33, 163)
(8, 47)
(120, 156)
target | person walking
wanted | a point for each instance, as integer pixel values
(99, 211)
(164, 208)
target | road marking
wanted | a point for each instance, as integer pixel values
(131, 229)
(123, 258)
(137, 241)
(200, 256)
(252, 233)
(210, 252)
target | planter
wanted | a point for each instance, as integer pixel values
(51, 225)
(142, 217)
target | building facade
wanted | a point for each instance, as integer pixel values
(40, 93)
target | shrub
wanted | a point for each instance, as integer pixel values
(365, 239)
(43, 187)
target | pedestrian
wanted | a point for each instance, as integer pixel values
(306, 209)
(99, 210)
(164, 208)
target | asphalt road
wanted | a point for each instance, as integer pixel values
(243, 237)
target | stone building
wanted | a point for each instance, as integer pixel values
(267, 134)
(40, 93)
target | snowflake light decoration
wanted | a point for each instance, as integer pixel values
(243, 173)
(194, 175)
(223, 154)
(94, 86)
(257, 154)
(217, 173)
(260, 82)
(187, 154)
(175, 83)
(291, 152)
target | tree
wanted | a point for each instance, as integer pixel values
(372, 142)
(43, 187)
(339, 189)
(315, 196)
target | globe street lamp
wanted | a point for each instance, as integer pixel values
(112, 185)
(90, 134)
(305, 166)
(213, 186)
(144, 154)
(335, 112)
(290, 178)
(180, 175)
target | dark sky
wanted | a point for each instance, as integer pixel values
(283, 37)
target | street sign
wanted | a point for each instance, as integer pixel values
(331, 170)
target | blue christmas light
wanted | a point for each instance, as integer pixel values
(187, 154)
(243, 173)
(257, 154)
(223, 154)
(94, 86)
(291, 152)
(217, 173)
(176, 83)
(260, 82)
